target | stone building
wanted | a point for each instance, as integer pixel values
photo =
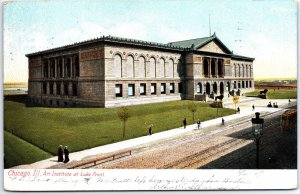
(111, 71)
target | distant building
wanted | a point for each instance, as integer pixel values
(111, 71)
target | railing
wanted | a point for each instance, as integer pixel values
(104, 159)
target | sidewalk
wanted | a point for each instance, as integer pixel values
(246, 110)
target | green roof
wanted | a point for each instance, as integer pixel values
(197, 42)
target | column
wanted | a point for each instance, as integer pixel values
(209, 64)
(71, 66)
(55, 68)
(49, 63)
(223, 68)
(74, 69)
(70, 88)
(62, 89)
(48, 88)
(43, 73)
(216, 67)
(63, 67)
(54, 89)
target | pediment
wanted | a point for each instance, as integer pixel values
(213, 47)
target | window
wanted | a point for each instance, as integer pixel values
(58, 88)
(51, 87)
(74, 89)
(180, 88)
(130, 89)
(143, 89)
(117, 66)
(172, 89)
(44, 88)
(162, 88)
(153, 88)
(66, 89)
(118, 90)
(198, 88)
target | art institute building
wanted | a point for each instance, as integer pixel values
(111, 71)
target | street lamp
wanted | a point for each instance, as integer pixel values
(257, 130)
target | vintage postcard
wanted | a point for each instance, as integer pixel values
(150, 95)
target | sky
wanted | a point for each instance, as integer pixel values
(263, 29)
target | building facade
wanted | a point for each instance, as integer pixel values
(111, 71)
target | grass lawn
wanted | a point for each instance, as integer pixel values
(82, 128)
(277, 94)
(18, 151)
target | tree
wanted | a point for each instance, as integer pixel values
(123, 115)
(192, 108)
(235, 100)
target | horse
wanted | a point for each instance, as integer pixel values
(219, 97)
(263, 91)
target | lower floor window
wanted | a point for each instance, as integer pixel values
(172, 89)
(163, 88)
(118, 90)
(130, 89)
(153, 88)
(143, 89)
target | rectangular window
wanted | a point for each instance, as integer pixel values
(118, 90)
(66, 89)
(44, 88)
(74, 89)
(162, 88)
(130, 89)
(58, 88)
(142, 89)
(51, 87)
(180, 88)
(153, 88)
(172, 89)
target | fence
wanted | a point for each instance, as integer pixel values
(103, 159)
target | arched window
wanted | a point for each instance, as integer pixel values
(171, 68)
(141, 67)
(199, 88)
(117, 66)
(152, 67)
(161, 68)
(221, 88)
(205, 68)
(130, 70)
(215, 88)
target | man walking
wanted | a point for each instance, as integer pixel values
(184, 123)
(66, 152)
(60, 154)
(198, 123)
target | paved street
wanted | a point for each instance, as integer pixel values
(180, 148)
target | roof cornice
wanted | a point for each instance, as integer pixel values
(110, 39)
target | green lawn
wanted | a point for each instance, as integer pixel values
(277, 94)
(82, 128)
(18, 151)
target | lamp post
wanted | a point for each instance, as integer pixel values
(257, 130)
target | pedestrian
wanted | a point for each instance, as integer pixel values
(238, 110)
(60, 154)
(198, 123)
(66, 152)
(150, 130)
(223, 121)
(184, 123)
(253, 107)
(289, 101)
